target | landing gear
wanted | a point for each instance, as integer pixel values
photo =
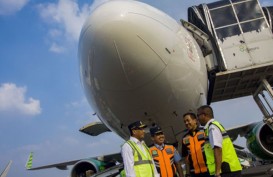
(262, 97)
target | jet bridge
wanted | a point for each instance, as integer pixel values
(241, 41)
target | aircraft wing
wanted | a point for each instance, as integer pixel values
(6, 170)
(241, 130)
(63, 165)
(94, 129)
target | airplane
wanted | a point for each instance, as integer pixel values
(138, 63)
(84, 167)
(6, 170)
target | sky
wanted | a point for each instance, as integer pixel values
(42, 104)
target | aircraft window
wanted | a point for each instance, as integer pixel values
(235, 1)
(228, 31)
(230, 17)
(218, 4)
(248, 10)
(223, 16)
(254, 25)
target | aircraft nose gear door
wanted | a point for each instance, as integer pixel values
(265, 105)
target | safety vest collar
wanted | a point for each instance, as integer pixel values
(138, 150)
(218, 125)
(208, 123)
(193, 133)
(160, 147)
(135, 140)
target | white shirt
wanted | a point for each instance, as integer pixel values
(128, 157)
(215, 134)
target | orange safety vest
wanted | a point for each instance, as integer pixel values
(164, 160)
(196, 152)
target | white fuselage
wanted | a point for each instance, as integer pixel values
(137, 63)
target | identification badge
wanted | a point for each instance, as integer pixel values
(201, 137)
(169, 151)
(186, 141)
(154, 153)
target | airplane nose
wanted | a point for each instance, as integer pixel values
(122, 48)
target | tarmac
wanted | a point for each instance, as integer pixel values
(259, 171)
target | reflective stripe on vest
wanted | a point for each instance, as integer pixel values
(164, 161)
(143, 165)
(230, 161)
(196, 152)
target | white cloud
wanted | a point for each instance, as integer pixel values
(67, 15)
(65, 18)
(55, 33)
(13, 101)
(56, 48)
(8, 7)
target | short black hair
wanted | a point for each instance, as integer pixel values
(207, 110)
(191, 114)
(131, 132)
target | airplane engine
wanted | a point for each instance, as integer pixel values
(260, 141)
(81, 167)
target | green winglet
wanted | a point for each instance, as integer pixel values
(29, 161)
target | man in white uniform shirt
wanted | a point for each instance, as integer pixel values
(222, 160)
(137, 159)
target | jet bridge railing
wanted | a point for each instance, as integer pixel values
(241, 29)
(268, 12)
(264, 99)
(240, 33)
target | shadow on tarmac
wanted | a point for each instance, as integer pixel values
(259, 171)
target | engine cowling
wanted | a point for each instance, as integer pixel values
(81, 167)
(260, 141)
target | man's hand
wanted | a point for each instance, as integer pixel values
(218, 160)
